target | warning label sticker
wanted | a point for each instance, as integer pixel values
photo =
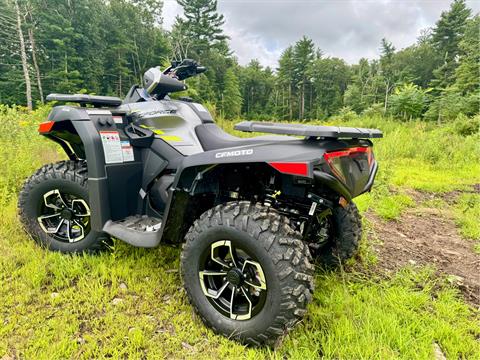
(111, 147)
(127, 151)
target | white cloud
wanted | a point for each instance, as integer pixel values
(349, 29)
(248, 46)
(170, 11)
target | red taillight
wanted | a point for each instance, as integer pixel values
(45, 127)
(330, 155)
(292, 168)
(333, 158)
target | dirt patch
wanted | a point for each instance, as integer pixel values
(427, 237)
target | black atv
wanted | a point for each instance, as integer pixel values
(250, 212)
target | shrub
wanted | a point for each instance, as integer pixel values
(347, 114)
(466, 126)
(375, 110)
(450, 104)
(408, 101)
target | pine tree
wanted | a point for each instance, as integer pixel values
(330, 79)
(468, 71)
(231, 97)
(203, 25)
(287, 82)
(447, 34)
(303, 57)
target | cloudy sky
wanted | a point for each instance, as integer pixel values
(350, 29)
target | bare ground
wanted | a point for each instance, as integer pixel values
(426, 236)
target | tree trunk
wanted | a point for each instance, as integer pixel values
(23, 54)
(386, 96)
(35, 64)
(302, 102)
(290, 103)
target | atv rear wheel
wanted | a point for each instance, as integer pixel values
(53, 208)
(246, 272)
(344, 234)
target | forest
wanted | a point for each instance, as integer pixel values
(48, 46)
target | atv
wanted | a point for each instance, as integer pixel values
(253, 214)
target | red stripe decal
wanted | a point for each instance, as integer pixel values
(291, 168)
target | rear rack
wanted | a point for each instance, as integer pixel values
(84, 99)
(308, 130)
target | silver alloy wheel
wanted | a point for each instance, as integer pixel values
(64, 216)
(233, 282)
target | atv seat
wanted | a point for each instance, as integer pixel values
(212, 137)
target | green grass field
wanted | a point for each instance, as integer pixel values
(129, 303)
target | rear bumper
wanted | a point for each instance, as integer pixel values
(336, 185)
(333, 183)
(371, 179)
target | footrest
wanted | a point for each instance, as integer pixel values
(141, 223)
(139, 231)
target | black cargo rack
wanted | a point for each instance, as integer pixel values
(84, 99)
(308, 130)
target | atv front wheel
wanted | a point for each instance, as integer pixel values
(246, 272)
(53, 207)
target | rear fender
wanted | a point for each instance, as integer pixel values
(74, 130)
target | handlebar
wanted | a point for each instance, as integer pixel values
(184, 69)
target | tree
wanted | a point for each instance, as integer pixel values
(257, 85)
(447, 34)
(23, 54)
(387, 69)
(303, 57)
(408, 101)
(287, 82)
(203, 25)
(231, 97)
(330, 79)
(468, 72)
(353, 98)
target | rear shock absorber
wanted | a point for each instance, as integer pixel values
(270, 193)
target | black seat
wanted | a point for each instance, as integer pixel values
(212, 138)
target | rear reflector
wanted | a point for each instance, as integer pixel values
(45, 127)
(297, 168)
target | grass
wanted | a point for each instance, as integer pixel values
(467, 216)
(129, 303)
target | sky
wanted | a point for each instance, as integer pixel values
(349, 29)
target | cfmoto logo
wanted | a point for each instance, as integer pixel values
(234, 153)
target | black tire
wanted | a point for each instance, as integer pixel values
(346, 234)
(68, 176)
(285, 260)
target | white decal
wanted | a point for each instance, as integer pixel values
(234, 153)
(99, 112)
(127, 151)
(111, 147)
(117, 119)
